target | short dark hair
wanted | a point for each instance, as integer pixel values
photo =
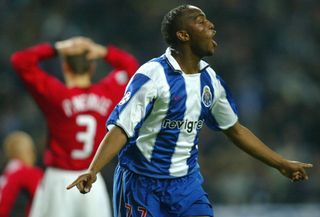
(170, 24)
(78, 63)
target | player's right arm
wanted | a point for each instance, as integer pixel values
(26, 64)
(111, 144)
(42, 86)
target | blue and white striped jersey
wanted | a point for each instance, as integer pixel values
(162, 112)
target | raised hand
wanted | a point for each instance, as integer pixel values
(78, 45)
(73, 46)
(96, 51)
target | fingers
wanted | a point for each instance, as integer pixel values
(96, 51)
(87, 188)
(80, 44)
(301, 174)
(304, 174)
(305, 165)
(298, 176)
(74, 183)
(74, 46)
(83, 183)
(84, 187)
(296, 170)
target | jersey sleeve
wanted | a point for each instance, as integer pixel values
(24, 178)
(224, 112)
(9, 190)
(43, 87)
(34, 175)
(139, 97)
(124, 66)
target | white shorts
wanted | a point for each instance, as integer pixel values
(53, 200)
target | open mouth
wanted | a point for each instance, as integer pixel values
(214, 43)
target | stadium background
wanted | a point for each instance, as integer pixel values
(268, 53)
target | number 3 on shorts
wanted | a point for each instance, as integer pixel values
(86, 137)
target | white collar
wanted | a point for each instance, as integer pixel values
(175, 65)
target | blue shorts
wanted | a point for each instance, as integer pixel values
(140, 196)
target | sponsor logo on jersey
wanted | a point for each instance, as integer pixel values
(187, 125)
(206, 96)
(125, 98)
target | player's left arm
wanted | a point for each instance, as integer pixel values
(248, 142)
(124, 66)
(121, 60)
(44, 87)
(26, 62)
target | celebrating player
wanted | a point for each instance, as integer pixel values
(75, 113)
(155, 127)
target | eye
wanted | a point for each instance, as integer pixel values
(201, 21)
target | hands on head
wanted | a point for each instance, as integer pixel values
(84, 182)
(295, 170)
(77, 45)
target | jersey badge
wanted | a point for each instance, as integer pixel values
(206, 96)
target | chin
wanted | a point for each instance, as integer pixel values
(205, 51)
(210, 52)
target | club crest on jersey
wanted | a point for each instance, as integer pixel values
(206, 96)
(125, 98)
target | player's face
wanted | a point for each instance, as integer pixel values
(201, 32)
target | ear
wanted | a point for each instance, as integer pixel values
(182, 36)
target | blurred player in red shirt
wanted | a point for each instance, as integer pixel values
(20, 174)
(75, 113)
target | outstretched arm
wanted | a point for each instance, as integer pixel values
(111, 144)
(247, 141)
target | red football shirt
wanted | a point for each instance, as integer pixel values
(17, 177)
(75, 116)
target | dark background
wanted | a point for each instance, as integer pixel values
(268, 54)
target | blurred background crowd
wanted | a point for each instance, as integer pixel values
(268, 54)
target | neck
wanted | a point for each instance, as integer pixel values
(81, 81)
(187, 60)
(24, 158)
